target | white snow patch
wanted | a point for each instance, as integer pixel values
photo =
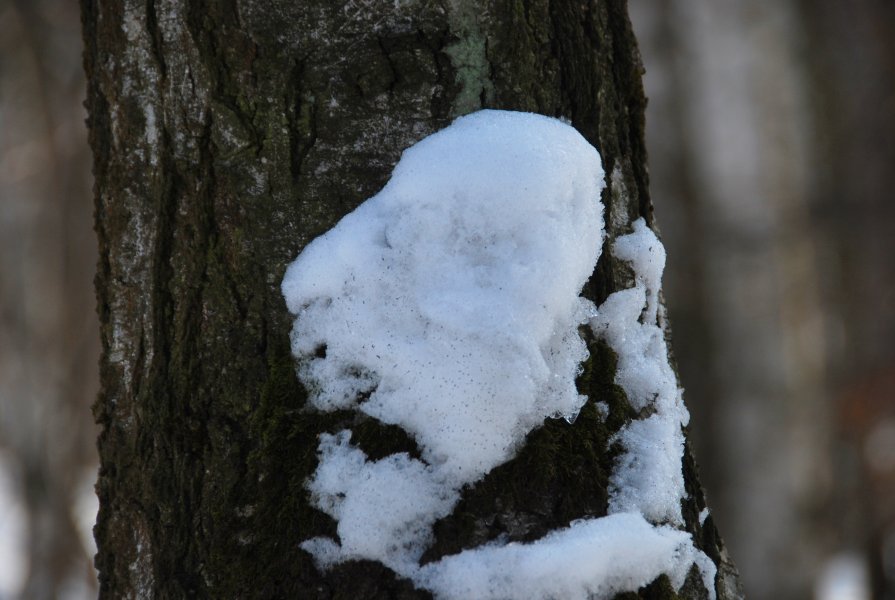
(13, 519)
(648, 478)
(84, 510)
(448, 304)
(845, 576)
(464, 269)
(385, 508)
(592, 559)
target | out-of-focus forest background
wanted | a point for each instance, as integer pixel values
(49, 338)
(771, 128)
(771, 132)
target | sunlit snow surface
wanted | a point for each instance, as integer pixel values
(448, 304)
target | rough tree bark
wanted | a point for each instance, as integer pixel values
(226, 136)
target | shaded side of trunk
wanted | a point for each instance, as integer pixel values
(226, 136)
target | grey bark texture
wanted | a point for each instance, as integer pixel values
(226, 136)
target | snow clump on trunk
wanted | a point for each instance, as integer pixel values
(449, 305)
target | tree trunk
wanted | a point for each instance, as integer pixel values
(226, 136)
(732, 145)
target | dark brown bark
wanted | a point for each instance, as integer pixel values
(226, 136)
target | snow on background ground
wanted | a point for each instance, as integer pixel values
(413, 309)
(12, 532)
(844, 577)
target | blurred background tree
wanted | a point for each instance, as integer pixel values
(49, 341)
(771, 131)
(771, 127)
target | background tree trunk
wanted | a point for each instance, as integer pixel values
(49, 338)
(731, 139)
(226, 136)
